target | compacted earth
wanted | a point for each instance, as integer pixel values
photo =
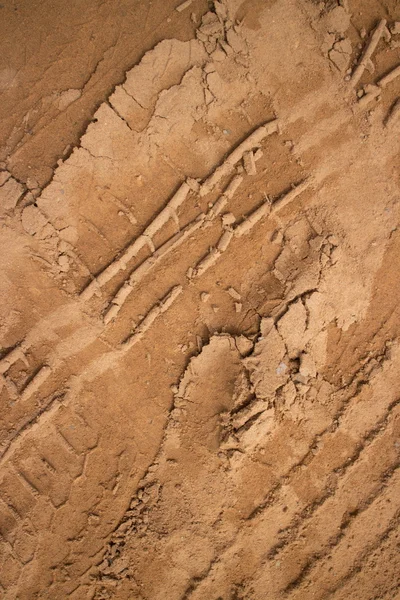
(199, 300)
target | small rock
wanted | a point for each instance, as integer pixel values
(316, 242)
(63, 261)
(340, 54)
(233, 293)
(10, 193)
(243, 344)
(204, 296)
(307, 366)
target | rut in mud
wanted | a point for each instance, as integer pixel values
(199, 305)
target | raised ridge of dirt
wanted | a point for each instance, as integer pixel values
(199, 306)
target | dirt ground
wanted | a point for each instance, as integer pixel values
(199, 300)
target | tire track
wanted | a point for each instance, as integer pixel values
(328, 451)
(381, 567)
(366, 532)
(321, 526)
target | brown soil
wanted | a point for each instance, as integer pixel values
(199, 310)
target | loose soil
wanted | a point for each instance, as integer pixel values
(199, 311)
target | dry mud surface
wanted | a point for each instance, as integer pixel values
(199, 300)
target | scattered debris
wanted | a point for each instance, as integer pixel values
(183, 6)
(120, 263)
(233, 293)
(228, 219)
(211, 258)
(371, 92)
(391, 76)
(249, 163)
(267, 207)
(365, 61)
(253, 140)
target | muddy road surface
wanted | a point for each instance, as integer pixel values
(199, 300)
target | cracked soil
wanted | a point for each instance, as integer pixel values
(199, 300)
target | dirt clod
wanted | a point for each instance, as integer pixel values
(199, 313)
